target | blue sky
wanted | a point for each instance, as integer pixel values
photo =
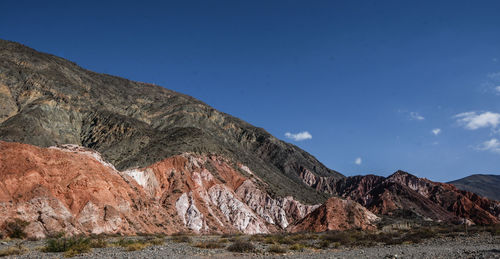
(368, 81)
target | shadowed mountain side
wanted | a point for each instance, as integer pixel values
(486, 185)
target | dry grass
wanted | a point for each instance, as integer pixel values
(71, 246)
(181, 239)
(297, 247)
(240, 246)
(276, 249)
(13, 250)
(209, 245)
(136, 246)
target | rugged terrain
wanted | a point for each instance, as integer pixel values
(47, 101)
(71, 189)
(406, 195)
(486, 185)
(88, 153)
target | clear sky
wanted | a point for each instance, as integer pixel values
(377, 85)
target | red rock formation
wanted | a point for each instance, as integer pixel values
(73, 190)
(405, 192)
(336, 214)
(462, 204)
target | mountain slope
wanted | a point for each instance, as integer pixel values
(135, 124)
(486, 185)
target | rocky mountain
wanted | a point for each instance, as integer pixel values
(72, 189)
(487, 185)
(82, 153)
(403, 193)
(135, 124)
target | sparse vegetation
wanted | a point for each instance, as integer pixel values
(276, 249)
(297, 247)
(323, 244)
(223, 240)
(279, 239)
(181, 239)
(70, 246)
(98, 243)
(240, 246)
(269, 243)
(15, 228)
(209, 245)
(131, 244)
(18, 249)
(136, 246)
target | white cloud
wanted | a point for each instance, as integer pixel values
(492, 145)
(497, 89)
(474, 120)
(299, 136)
(494, 59)
(358, 161)
(436, 131)
(416, 116)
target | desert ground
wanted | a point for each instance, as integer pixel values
(422, 243)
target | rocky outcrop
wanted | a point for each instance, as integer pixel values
(74, 190)
(337, 214)
(280, 211)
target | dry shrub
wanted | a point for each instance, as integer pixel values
(15, 228)
(13, 250)
(240, 246)
(276, 249)
(209, 245)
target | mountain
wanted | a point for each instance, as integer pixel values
(135, 124)
(88, 153)
(404, 194)
(486, 185)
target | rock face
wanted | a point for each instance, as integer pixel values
(72, 189)
(337, 214)
(135, 124)
(486, 185)
(405, 192)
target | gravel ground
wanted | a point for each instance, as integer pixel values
(475, 246)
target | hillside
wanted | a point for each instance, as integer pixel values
(135, 124)
(486, 185)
